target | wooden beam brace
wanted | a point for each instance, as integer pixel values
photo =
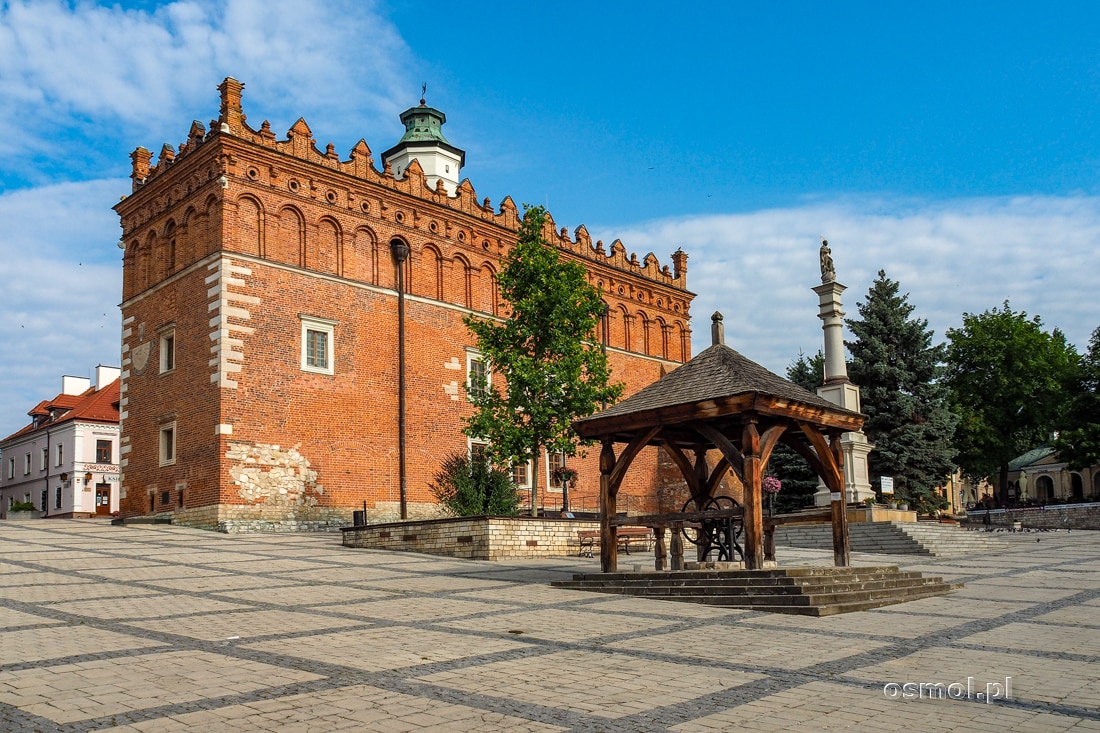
(723, 444)
(640, 440)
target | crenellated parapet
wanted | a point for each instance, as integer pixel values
(355, 184)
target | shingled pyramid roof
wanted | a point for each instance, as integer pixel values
(713, 376)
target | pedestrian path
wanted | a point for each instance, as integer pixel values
(162, 628)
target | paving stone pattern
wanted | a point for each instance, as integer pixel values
(163, 628)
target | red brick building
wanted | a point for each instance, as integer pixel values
(260, 324)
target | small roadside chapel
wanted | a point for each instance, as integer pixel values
(719, 400)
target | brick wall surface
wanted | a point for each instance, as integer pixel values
(237, 237)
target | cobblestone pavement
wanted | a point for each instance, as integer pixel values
(161, 628)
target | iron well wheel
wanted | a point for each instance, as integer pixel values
(721, 536)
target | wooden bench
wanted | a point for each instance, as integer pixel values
(590, 538)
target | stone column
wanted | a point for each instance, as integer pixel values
(839, 390)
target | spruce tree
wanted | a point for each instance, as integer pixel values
(799, 480)
(899, 371)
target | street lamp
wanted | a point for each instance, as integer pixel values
(400, 252)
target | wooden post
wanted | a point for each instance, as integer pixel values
(841, 547)
(609, 544)
(677, 549)
(754, 512)
(660, 561)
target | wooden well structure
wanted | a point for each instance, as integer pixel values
(721, 400)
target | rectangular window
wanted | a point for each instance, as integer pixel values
(167, 350)
(554, 461)
(521, 474)
(478, 377)
(168, 444)
(60, 454)
(11, 468)
(45, 459)
(57, 498)
(26, 463)
(318, 345)
(103, 451)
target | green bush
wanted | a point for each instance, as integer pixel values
(22, 506)
(470, 485)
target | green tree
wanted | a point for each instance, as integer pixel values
(469, 485)
(552, 372)
(1078, 444)
(1008, 379)
(899, 371)
(799, 480)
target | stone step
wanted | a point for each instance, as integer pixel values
(723, 589)
(811, 591)
(764, 585)
(913, 538)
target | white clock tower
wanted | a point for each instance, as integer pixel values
(423, 142)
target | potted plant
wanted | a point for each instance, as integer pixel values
(771, 486)
(23, 510)
(870, 501)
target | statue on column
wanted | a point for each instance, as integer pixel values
(828, 272)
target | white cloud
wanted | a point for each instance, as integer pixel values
(62, 280)
(93, 67)
(954, 256)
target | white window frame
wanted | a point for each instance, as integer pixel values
(327, 327)
(552, 487)
(11, 468)
(167, 350)
(167, 439)
(45, 460)
(473, 355)
(60, 454)
(26, 464)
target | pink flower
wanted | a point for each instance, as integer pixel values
(771, 484)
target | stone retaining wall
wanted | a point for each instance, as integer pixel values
(475, 538)
(1062, 516)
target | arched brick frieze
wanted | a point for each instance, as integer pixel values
(457, 287)
(323, 255)
(250, 225)
(661, 335)
(146, 263)
(185, 249)
(646, 342)
(428, 273)
(207, 230)
(621, 336)
(361, 257)
(680, 341)
(129, 269)
(287, 247)
(166, 253)
(385, 255)
(484, 289)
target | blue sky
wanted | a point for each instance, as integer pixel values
(955, 145)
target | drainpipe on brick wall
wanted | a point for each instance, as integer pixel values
(400, 252)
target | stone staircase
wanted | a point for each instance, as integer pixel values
(810, 591)
(893, 538)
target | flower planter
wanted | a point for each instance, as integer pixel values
(23, 516)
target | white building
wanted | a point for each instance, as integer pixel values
(65, 461)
